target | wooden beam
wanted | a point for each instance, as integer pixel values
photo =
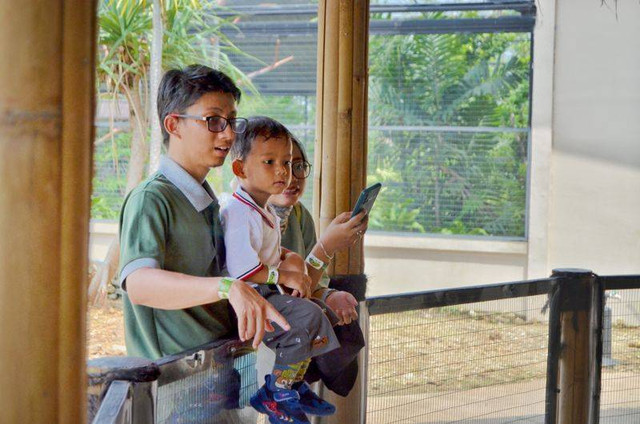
(578, 315)
(46, 92)
(78, 110)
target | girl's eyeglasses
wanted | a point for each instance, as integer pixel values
(301, 169)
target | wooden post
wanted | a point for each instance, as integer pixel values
(576, 378)
(341, 143)
(46, 133)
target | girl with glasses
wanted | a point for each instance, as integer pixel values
(298, 235)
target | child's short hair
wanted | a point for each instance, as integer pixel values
(181, 88)
(257, 126)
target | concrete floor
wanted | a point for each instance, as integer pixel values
(521, 403)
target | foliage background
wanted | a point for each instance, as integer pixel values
(448, 116)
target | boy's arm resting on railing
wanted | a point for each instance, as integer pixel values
(163, 289)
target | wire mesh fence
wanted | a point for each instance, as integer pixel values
(449, 180)
(620, 378)
(477, 363)
(218, 394)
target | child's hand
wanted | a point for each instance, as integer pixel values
(298, 282)
(344, 305)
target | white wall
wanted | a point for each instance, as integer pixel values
(595, 170)
(396, 264)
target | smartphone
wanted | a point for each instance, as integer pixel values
(366, 199)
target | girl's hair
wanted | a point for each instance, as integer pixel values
(297, 142)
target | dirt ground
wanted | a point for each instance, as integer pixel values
(448, 348)
(105, 330)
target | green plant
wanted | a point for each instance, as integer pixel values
(461, 182)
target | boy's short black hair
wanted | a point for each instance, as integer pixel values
(181, 88)
(257, 126)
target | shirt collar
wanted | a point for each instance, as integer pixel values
(199, 195)
(246, 199)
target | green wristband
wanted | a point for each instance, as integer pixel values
(273, 276)
(224, 286)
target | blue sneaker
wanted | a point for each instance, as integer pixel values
(311, 403)
(282, 406)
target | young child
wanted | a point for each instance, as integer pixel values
(262, 164)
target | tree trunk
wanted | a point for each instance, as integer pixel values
(155, 144)
(138, 121)
(105, 273)
(137, 118)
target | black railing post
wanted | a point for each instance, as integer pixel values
(553, 354)
(597, 325)
(574, 339)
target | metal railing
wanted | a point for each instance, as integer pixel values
(527, 351)
(211, 383)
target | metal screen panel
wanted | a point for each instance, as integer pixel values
(482, 363)
(449, 180)
(211, 396)
(449, 124)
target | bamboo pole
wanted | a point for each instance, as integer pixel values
(30, 130)
(44, 162)
(359, 118)
(317, 170)
(344, 122)
(341, 143)
(79, 43)
(329, 126)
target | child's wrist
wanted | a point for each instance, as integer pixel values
(316, 263)
(273, 275)
(327, 250)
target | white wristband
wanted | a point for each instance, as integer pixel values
(315, 262)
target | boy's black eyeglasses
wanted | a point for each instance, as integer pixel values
(218, 123)
(301, 169)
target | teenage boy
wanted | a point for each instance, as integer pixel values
(171, 245)
(262, 164)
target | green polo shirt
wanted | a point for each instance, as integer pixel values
(171, 222)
